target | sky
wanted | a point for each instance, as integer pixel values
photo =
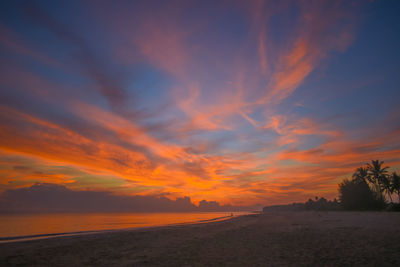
(238, 102)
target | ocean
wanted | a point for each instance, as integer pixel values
(34, 226)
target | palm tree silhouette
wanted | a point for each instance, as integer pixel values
(387, 186)
(361, 174)
(396, 184)
(377, 176)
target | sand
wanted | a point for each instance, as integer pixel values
(271, 239)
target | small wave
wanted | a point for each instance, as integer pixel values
(42, 236)
(64, 234)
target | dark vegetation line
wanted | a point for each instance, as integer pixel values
(371, 187)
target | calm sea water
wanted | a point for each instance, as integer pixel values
(36, 226)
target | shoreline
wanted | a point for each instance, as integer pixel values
(267, 239)
(14, 239)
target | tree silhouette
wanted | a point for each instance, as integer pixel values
(356, 195)
(361, 174)
(377, 175)
(387, 186)
(363, 192)
(395, 184)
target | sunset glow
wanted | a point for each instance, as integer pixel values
(239, 102)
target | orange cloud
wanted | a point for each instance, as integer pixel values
(228, 140)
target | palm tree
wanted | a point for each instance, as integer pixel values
(361, 174)
(377, 175)
(396, 184)
(387, 186)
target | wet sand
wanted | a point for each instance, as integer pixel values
(271, 239)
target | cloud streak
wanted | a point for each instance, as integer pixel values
(158, 101)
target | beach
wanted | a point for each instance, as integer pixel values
(270, 239)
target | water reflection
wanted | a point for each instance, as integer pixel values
(28, 225)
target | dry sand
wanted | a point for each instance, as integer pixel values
(271, 239)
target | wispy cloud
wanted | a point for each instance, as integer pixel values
(177, 103)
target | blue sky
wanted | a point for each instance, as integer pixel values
(240, 102)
